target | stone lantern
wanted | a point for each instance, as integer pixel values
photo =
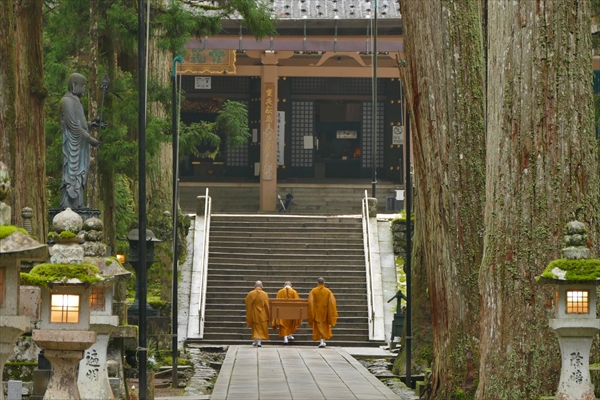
(93, 381)
(66, 285)
(15, 246)
(133, 239)
(575, 277)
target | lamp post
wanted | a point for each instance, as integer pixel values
(134, 260)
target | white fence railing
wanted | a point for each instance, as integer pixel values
(205, 244)
(197, 302)
(368, 264)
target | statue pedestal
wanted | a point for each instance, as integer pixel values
(575, 338)
(85, 212)
(93, 380)
(64, 349)
(12, 327)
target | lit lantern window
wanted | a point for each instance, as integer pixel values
(97, 299)
(64, 308)
(2, 287)
(577, 302)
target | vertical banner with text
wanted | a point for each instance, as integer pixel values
(268, 134)
(280, 137)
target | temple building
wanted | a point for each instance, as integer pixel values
(309, 91)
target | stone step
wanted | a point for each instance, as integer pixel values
(286, 236)
(277, 272)
(339, 295)
(245, 334)
(236, 237)
(271, 289)
(290, 256)
(288, 244)
(286, 221)
(242, 329)
(235, 310)
(297, 251)
(284, 228)
(234, 277)
(276, 341)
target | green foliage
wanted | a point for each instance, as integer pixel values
(7, 230)
(42, 274)
(576, 270)
(231, 123)
(125, 210)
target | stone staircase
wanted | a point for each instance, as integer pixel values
(276, 248)
(309, 198)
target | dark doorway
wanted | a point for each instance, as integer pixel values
(338, 138)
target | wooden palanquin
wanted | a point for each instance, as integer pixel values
(289, 309)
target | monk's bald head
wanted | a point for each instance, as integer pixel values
(320, 281)
(258, 284)
(287, 283)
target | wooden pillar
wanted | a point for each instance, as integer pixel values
(268, 132)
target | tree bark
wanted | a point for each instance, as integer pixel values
(541, 173)
(92, 193)
(444, 87)
(8, 83)
(30, 145)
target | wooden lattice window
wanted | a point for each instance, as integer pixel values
(578, 302)
(97, 300)
(64, 308)
(302, 125)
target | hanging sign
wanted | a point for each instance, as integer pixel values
(397, 135)
(211, 61)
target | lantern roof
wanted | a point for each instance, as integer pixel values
(110, 268)
(134, 235)
(48, 275)
(16, 242)
(565, 271)
(576, 266)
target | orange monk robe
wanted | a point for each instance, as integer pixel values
(322, 312)
(257, 313)
(287, 326)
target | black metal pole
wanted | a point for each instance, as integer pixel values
(408, 189)
(175, 119)
(142, 342)
(374, 171)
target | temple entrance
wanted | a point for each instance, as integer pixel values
(337, 139)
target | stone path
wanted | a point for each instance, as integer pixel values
(282, 372)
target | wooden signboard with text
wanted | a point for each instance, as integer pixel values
(289, 309)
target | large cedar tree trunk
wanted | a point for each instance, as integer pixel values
(541, 173)
(443, 82)
(29, 179)
(92, 192)
(160, 169)
(8, 83)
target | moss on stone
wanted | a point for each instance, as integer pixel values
(573, 270)
(7, 230)
(43, 274)
(67, 235)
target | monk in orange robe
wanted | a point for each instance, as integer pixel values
(322, 312)
(257, 313)
(287, 327)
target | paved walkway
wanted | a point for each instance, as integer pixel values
(287, 372)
